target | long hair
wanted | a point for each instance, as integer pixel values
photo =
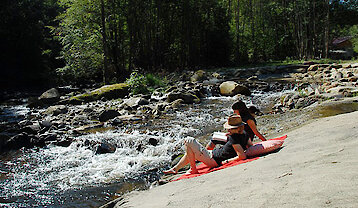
(243, 110)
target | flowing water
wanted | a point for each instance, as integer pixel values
(75, 176)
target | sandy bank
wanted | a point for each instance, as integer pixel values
(318, 167)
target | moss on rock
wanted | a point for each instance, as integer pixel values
(108, 91)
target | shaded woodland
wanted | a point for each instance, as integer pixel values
(52, 42)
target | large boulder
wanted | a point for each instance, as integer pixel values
(51, 96)
(107, 92)
(231, 88)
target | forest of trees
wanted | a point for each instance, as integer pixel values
(73, 41)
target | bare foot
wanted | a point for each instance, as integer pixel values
(191, 172)
(170, 171)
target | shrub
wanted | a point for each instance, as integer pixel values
(137, 83)
(140, 84)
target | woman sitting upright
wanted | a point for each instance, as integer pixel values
(240, 108)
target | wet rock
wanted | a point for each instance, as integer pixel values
(231, 88)
(31, 129)
(187, 97)
(64, 142)
(25, 123)
(153, 141)
(50, 96)
(18, 141)
(117, 122)
(3, 140)
(107, 115)
(104, 148)
(47, 137)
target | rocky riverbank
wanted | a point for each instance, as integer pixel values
(59, 117)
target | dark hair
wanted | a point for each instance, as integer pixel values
(239, 105)
(254, 110)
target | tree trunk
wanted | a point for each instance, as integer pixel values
(326, 33)
(105, 46)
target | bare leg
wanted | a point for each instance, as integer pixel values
(210, 145)
(191, 157)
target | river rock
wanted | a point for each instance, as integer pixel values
(108, 92)
(31, 129)
(231, 88)
(198, 76)
(117, 122)
(56, 110)
(104, 148)
(18, 141)
(153, 141)
(131, 117)
(337, 75)
(107, 115)
(64, 142)
(50, 96)
(135, 102)
(313, 67)
(187, 97)
(177, 103)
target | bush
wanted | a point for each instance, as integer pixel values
(137, 83)
(140, 84)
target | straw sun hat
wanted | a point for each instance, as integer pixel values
(233, 122)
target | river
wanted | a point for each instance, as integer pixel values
(75, 176)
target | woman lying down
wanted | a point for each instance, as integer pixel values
(233, 149)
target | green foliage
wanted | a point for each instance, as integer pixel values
(137, 83)
(103, 40)
(353, 31)
(140, 84)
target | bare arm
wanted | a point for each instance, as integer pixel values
(252, 125)
(240, 153)
(210, 145)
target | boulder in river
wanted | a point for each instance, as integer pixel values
(108, 92)
(198, 76)
(231, 88)
(51, 96)
(187, 97)
(107, 115)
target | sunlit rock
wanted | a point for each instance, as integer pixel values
(231, 88)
